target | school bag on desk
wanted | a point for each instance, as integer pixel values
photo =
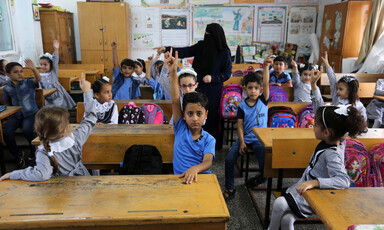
(142, 160)
(131, 114)
(376, 155)
(153, 113)
(229, 95)
(306, 117)
(277, 94)
(281, 117)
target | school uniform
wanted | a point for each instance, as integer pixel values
(50, 80)
(188, 152)
(4, 80)
(158, 92)
(375, 108)
(67, 150)
(326, 166)
(301, 90)
(282, 78)
(139, 78)
(124, 88)
(252, 116)
(107, 113)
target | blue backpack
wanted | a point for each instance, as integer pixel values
(277, 94)
(281, 117)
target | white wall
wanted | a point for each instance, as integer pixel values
(27, 33)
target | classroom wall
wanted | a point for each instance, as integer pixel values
(27, 33)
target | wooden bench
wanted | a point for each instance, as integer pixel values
(288, 151)
(106, 145)
(165, 105)
(362, 77)
(40, 95)
(244, 66)
(146, 92)
(92, 71)
(66, 77)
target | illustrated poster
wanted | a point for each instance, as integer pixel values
(271, 23)
(174, 27)
(162, 3)
(145, 27)
(205, 2)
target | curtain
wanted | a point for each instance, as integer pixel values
(373, 30)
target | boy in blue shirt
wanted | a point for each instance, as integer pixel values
(124, 86)
(20, 92)
(252, 112)
(194, 148)
(278, 76)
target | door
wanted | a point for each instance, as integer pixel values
(90, 25)
(115, 19)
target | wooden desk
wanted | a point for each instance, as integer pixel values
(113, 202)
(40, 95)
(92, 71)
(10, 110)
(165, 105)
(106, 145)
(339, 209)
(146, 92)
(380, 98)
(66, 76)
(362, 77)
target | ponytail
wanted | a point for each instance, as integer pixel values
(355, 123)
(52, 158)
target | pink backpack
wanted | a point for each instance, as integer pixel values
(306, 117)
(229, 95)
(377, 158)
(153, 113)
(357, 163)
(131, 114)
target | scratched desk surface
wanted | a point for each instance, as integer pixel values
(110, 202)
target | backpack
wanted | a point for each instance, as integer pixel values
(131, 114)
(377, 157)
(306, 117)
(229, 95)
(281, 117)
(153, 113)
(238, 73)
(249, 70)
(142, 160)
(357, 154)
(277, 94)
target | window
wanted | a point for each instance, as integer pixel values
(6, 35)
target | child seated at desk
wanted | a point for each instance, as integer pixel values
(252, 112)
(49, 65)
(375, 109)
(194, 148)
(124, 87)
(326, 168)
(106, 109)
(61, 151)
(20, 92)
(278, 76)
(302, 83)
(3, 76)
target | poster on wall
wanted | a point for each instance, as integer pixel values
(301, 23)
(271, 24)
(237, 23)
(162, 3)
(297, 1)
(210, 2)
(145, 27)
(252, 1)
(174, 27)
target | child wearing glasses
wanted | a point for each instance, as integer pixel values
(343, 92)
(252, 112)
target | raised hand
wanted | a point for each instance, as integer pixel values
(84, 84)
(150, 59)
(268, 60)
(315, 75)
(114, 44)
(160, 49)
(56, 44)
(325, 59)
(294, 65)
(29, 64)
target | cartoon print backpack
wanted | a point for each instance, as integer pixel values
(357, 163)
(277, 94)
(306, 117)
(153, 113)
(377, 160)
(281, 117)
(131, 114)
(229, 95)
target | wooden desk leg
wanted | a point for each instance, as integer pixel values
(2, 159)
(280, 180)
(246, 166)
(268, 203)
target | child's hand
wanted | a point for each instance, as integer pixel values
(99, 123)
(303, 187)
(171, 62)
(190, 175)
(325, 58)
(243, 148)
(56, 44)
(315, 75)
(5, 177)
(29, 64)
(84, 84)
(268, 60)
(294, 65)
(114, 44)
(159, 49)
(150, 59)
(207, 79)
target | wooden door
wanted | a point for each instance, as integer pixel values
(115, 20)
(108, 62)
(92, 57)
(90, 25)
(49, 30)
(71, 35)
(335, 61)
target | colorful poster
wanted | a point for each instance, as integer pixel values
(237, 23)
(174, 27)
(145, 27)
(297, 1)
(209, 2)
(271, 23)
(301, 24)
(252, 1)
(162, 3)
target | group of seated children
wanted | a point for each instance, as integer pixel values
(194, 149)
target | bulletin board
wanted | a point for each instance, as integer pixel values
(271, 23)
(252, 1)
(209, 2)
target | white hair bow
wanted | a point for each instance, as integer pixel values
(315, 67)
(302, 65)
(47, 55)
(105, 78)
(50, 154)
(188, 71)
(342, 109)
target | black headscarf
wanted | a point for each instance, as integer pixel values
(214, 42)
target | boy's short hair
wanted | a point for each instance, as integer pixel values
(252, 77)
(280, 58)
(195, 98)
(128, 62)
(10, 66)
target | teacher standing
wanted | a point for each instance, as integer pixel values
(212, 62)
